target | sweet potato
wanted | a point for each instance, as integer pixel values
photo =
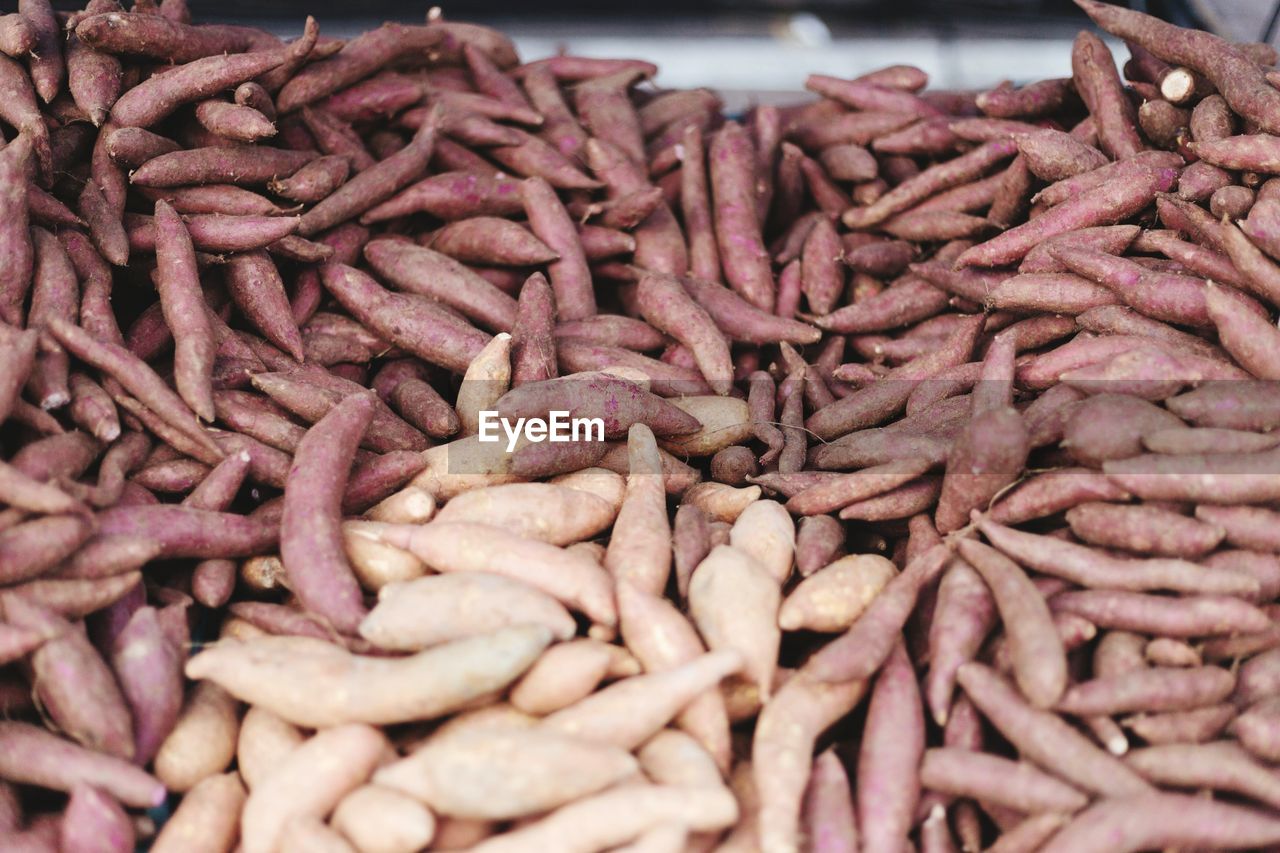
(751, 626)
(1103, 205)
(1143, 529)
(505, 763)
(1039, 663)
(1150, 690)
(95, 820)
(329, 765)
(149, 671)
(67, 664)
(989, 455)
(1250, 339)
(888, 778)
(788, 727)
(619, 815)
(1144, 821)
(395, 623)
(381, 820)
(861, 650)
(1191, 616)
(38, 757)
(414, 323)
(263, 740)
(282, 673)
(1045, 738)
(1178, 727)
(207, 820)
(742, 252)
(960, 170)
(203, 742)
(153, 100)
(1020, 786)
(565, 674)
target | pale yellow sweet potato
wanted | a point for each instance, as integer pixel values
(311, 835)
(725, 421)
(488, 377)
(309, 782)
(617, 816)
(782, 750)
(376, 563)
(549, 513)
(574, 579)
(410, 505)
(204, 740)
(207, 820)
(464, 464)
(831, 599)
(496, 717)
(663, 838)
(674, 758)
(437, 609)
(766, 532)
(504, 774)
(721, 502)
(566, 673)
(313, 683)
(639, 549)
(734, 602)
(265, 739)
(376, 819)
(661, 637)
(630, 711)
(601, 482)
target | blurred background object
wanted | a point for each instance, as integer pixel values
(1241, 20)
(761, 50)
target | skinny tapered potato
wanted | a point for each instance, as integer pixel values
(782, 750)
(630, 711)
(661, 637)
(617, 816)
(640, 550)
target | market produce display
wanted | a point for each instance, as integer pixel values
(922, 489)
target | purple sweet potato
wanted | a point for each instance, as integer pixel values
(310, 536)
(67, 669)
(149, 670)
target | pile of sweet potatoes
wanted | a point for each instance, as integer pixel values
(935, 503)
